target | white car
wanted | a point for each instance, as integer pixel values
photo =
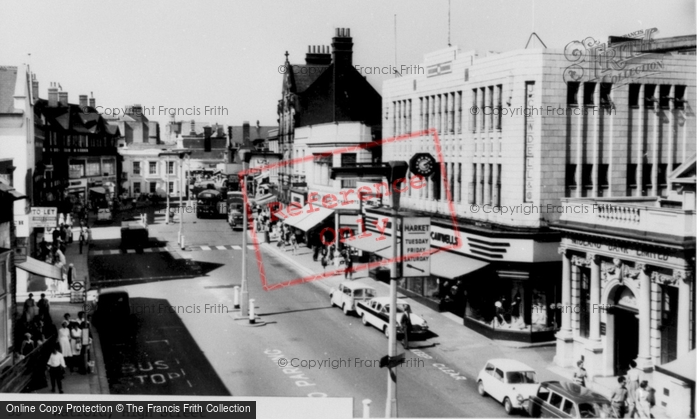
(509, 381)
(349, 293)
(376, 312)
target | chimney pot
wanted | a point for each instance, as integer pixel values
(53, 95)
(83, 100)
(92, 101)
(35, 88)
(63, 98)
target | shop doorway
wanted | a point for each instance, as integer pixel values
(626, 328)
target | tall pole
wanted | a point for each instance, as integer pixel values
(167, 191)
(182, 209)
(391, 405)
(244, 276)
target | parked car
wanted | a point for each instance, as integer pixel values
(349, 293)
(376, 312)
(555, 399)
(508, 381)
(104, 214)
(235, 218)
(112, 306)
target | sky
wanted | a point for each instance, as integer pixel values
(226, 53)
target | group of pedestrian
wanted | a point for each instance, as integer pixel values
(54, 254)
(633, 396)
(74, 340)
(331, 255)
(35, 325)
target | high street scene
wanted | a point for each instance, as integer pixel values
(349, 209)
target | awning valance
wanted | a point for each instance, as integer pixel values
(98, 189)
(40, 268)
(314, 219)
(293, 220)
(369, 243)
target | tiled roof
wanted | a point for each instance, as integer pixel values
(8, 78)
(73, 119)
(305, 74)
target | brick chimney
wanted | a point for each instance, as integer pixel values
(63, 98)
(319, 55)
(246, 134)
(342, 47)
(53, 95)
(192, 130)
(35, 88)
(92, 101)
(207, 138)
(83, 101)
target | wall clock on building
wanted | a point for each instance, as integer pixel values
(422, 164)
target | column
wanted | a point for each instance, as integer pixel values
(579, 144)
(640, 141)
(656, 144)
(683, 336)
(644, 304)
(596, 140)
(565, 291)
(594, 308)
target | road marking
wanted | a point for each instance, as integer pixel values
(96, 252)
(148, 250)
(115, 252)
(221, 247)
(251, 247)
(205, 247)
(300, 380)
(236, 247)
(130, 251)
(161, 340)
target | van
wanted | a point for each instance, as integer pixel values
(349, 293)
(555, 399)
(112, 305)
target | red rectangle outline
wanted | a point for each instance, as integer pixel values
(441, 160)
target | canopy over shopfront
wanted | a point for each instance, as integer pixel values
(445, 264)
(37, 267)
(306, 221)
(368, 242)
(98, 189)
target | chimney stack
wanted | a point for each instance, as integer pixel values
(92, 101)
(83, 101)
(207, 138)
(35, 88)
(192, 131)
(63, 98)
(319, 55)
(53, 95)
(246, 134)
(342, 47)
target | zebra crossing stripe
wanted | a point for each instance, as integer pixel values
(236, 247)
(221, 247)
(130, 251)
(206, 248)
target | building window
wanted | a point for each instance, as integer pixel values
(661, 175)
(482, 104)
(459, 182)
(137, 168)
(665, 93)
(76, 169)
(152, 168)
(171, 187)
(631, 176)
(570, 176)
(171, 167)
(669, 323)
(587, 176)
(646, 175)
(472, 185)
(497, 200)
(137, 188)
(439, 113)
(588, 94)
(459, 112)
(585, 315)
(634, 95)
(422, 121)
(572, 93)
(93, 168)
(348, 160)
(679, 97)
(649, 99)
(499, 105)
(474, 106)
(108, 168)
(491, 108)
(152, 187)
(605, 95)
(452, 181)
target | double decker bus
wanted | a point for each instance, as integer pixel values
(211, 204)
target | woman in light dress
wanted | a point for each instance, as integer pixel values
(64, 340)
(76, 337)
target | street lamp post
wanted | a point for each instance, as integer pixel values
(392, 171)
(244, 155)
(167, 191)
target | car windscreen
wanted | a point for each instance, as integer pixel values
(521, 377)
(401, 308)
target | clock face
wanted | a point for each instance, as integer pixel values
(423, 164)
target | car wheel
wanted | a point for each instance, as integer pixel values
(364, 320)
(508, 406)
(480, 389)
(346, 310)
(332, 303)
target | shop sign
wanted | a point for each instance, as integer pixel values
(415, 238)
(22, 225)
(529, 143)
(626, 252)
(46, 217)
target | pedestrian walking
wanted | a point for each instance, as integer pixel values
(407, 326)
(643, 400)
(71, 276)
(348, 267)
(43, 307)
(324, 262)
(81, 240)
(88, 235)
(619, 398)
(57, 368)
(64, 340)
(324, 252)
(63, 234)
(30, 309)
(27, 346)
(76, 342)
(55, 235)
(633, 379)
(580, 375)
(294, 244)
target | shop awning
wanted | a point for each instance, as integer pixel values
(264, 200)
(10, 190)
(315, 218)
(446, 265)
(369, 243)
(40, 268)
(98, 189)
(293, 220)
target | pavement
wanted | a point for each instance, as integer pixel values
(458, 341)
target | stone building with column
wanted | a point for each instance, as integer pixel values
(628, 280)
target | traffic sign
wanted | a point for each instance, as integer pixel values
(392, 361)
(77, 286)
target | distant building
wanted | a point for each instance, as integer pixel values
(327, 89)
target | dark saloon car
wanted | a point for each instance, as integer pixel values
(555, 399)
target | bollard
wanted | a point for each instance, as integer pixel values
(236, 297)
(179, 239)
(365, 407)
(182, 242)
(251, 311)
